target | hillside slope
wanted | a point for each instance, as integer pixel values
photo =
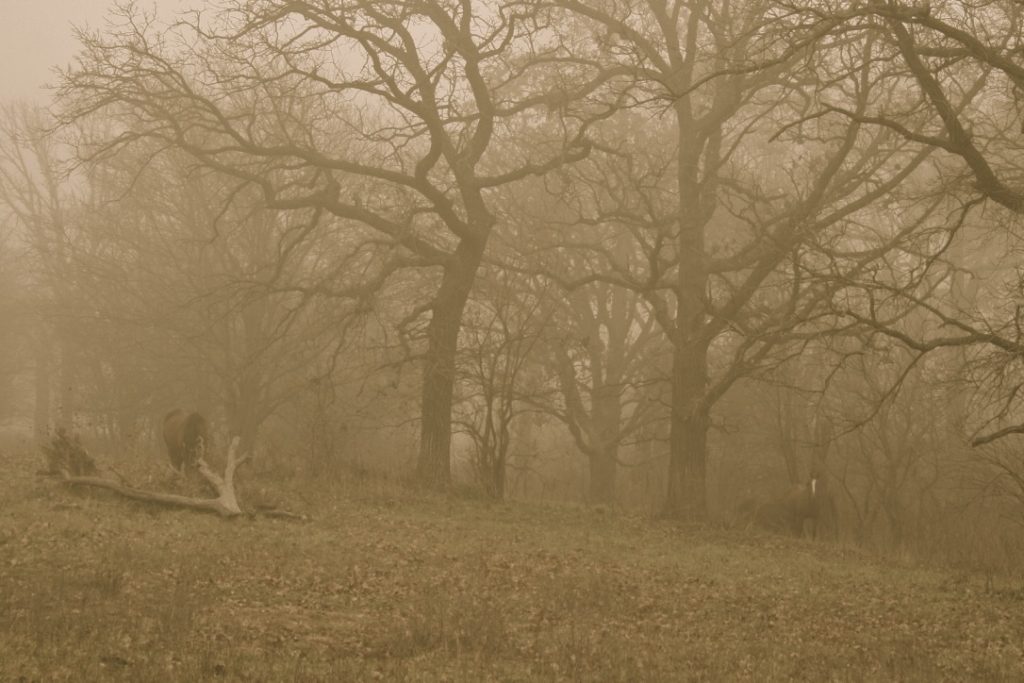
(388, 584)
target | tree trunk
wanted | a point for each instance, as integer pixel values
(687, 492)
(603, 466)
(433, 467)
(498, 477)
(41, 414)
(66, 409)
(607, 417)
(687, 465)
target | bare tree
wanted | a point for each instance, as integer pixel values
(605, 360)
(14, 323)
(961, 66)
(34, 192)
(400, 135)
(744, 225)
(235, 306)
(504, 323)
(602, 349)
(966, 63)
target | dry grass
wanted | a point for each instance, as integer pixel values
(389, 584)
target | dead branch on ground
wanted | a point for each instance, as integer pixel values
(69, 460)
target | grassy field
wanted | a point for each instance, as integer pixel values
(388, 584)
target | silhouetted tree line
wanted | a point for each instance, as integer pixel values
(711, 246)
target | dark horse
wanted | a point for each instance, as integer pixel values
(803, 509)
(187, 436)
(812, 506)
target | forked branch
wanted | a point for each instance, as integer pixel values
(225, 504)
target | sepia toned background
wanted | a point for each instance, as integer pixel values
(582, 340)
(36, 36)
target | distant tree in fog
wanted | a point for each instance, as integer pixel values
(601, 353)
(965, 62)
(382, 114)
(14, 322)
(218, 314)
(35, 192)
(606, 362)
(755, 190)
(499, 381)
(743, 201)
(960, 67)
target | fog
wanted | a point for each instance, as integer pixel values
(750, 269)
(36, 38)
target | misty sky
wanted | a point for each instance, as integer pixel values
(35, 35)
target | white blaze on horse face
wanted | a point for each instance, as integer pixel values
(814, 486)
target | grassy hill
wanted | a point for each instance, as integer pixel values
(388, 584)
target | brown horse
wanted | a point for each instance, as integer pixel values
(187, 436)
(802, 510)
(812, 506)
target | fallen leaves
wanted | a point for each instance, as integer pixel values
(428, 589)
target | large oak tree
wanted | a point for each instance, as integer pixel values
(382, 114)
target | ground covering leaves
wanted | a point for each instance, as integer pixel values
(385, 583)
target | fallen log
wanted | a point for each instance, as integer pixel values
(225, 504)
